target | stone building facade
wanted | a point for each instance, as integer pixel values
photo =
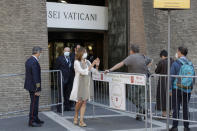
(22, 26)
(148, 28)
(183, 30)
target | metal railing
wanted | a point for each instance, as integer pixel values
(14, 99)
(121, 91)
(179, 98)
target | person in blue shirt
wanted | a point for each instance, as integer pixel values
(180, 96)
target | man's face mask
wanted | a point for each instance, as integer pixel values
(39, 56)
(176, 55)
(66, 54)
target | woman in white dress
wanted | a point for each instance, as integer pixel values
(82, 83)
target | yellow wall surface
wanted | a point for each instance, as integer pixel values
(172, 4)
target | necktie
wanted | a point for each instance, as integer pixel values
(68, 60)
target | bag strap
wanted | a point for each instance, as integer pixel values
(183, 61)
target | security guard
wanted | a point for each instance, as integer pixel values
(33, 85)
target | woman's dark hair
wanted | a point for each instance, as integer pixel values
(135, 48)
(164, 53)
(75, 46)
(183, 50)
(80, 53)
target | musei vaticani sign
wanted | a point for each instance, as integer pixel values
(72, 16)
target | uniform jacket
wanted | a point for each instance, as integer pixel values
(32, 75)
(63, 65)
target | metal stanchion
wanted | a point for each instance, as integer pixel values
(146, 109)
(62, 97)
(169, 44)
(150, 90)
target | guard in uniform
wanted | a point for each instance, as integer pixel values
(33, 86)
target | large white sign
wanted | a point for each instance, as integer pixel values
(117, 95)
(72, 16)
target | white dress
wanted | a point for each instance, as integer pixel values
(80, 71)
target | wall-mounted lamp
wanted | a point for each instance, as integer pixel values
(90, 47)
(63, 1)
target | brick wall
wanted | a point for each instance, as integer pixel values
(136, 22)
(183, 28)
(22, 26)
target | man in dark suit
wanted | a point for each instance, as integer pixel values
(65, 64)
(33, 85)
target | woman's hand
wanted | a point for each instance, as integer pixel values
(94, 62)
(97, 62)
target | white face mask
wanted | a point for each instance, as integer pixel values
(66, 54)
(39, 56)
(176, 55)
(85, 55)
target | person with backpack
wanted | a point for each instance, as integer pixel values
(181, 87)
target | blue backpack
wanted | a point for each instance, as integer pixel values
(186, 69)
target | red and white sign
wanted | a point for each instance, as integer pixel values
(121, 78)
(138, 80)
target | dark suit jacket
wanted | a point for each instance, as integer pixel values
(63, 65)
(72, 57)
(32, 75)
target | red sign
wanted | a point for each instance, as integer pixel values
(101, 76)
(132, 79)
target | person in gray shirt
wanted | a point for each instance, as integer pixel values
(136, 63)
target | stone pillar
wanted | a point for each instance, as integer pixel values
(117, 49)
(106, 46)
(105, 51)
(137, 30)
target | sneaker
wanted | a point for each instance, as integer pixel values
(186, 129)
(138, 118)
(173, 129)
